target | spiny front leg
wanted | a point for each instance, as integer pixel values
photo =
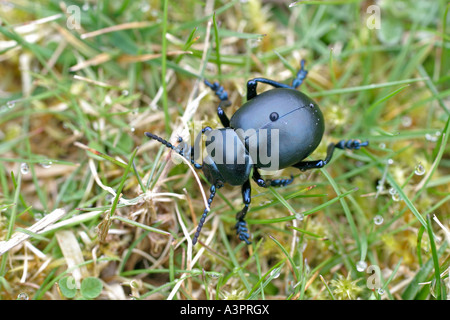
(241, 224)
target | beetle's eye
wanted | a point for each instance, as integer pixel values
(273, 116)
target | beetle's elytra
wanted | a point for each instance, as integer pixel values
(297, 118)
(283, 120)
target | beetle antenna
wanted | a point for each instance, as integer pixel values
(171, 146)
(205, 213)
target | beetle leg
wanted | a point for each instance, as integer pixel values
(224, 102)
(281, 182)
(270, 183)
(301, 75)
(241, 224)
(317, 164)
(205, 213)
(252, 84)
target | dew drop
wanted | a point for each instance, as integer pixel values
(430, 137)
(38, 216)
(253, 43)
(125, 92)
(145, 7)
(380, 186)
(382, 145)
(361, 265)
(24, 168)
(214, 275)
(396, 197)
(275, 273)
(132, 129)
(420, 169)
(134, 284)
(406, 121)
(299, 216)
(390, 161)
(378, 220)
(10, 104)
(46, 164)
(392, 191)
(22, 296)
(108, 99)
(380, 291)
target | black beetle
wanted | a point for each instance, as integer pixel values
(286, 114)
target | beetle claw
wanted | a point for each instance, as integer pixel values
(218, 90)
(242, 231)
(301, 75)
(244, 237)
(261, 182)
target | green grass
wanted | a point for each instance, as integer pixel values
(74, 109)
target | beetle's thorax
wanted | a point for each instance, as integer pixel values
(227, 159)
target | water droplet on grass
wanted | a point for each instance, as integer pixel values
(396, 197)
(420, 169)
(378, 220)
(22, 296)
(361, 265)
(406, 121)
(275, 273)
(46, 164)
(24, 168)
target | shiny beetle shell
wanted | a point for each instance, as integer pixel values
(294, 115)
